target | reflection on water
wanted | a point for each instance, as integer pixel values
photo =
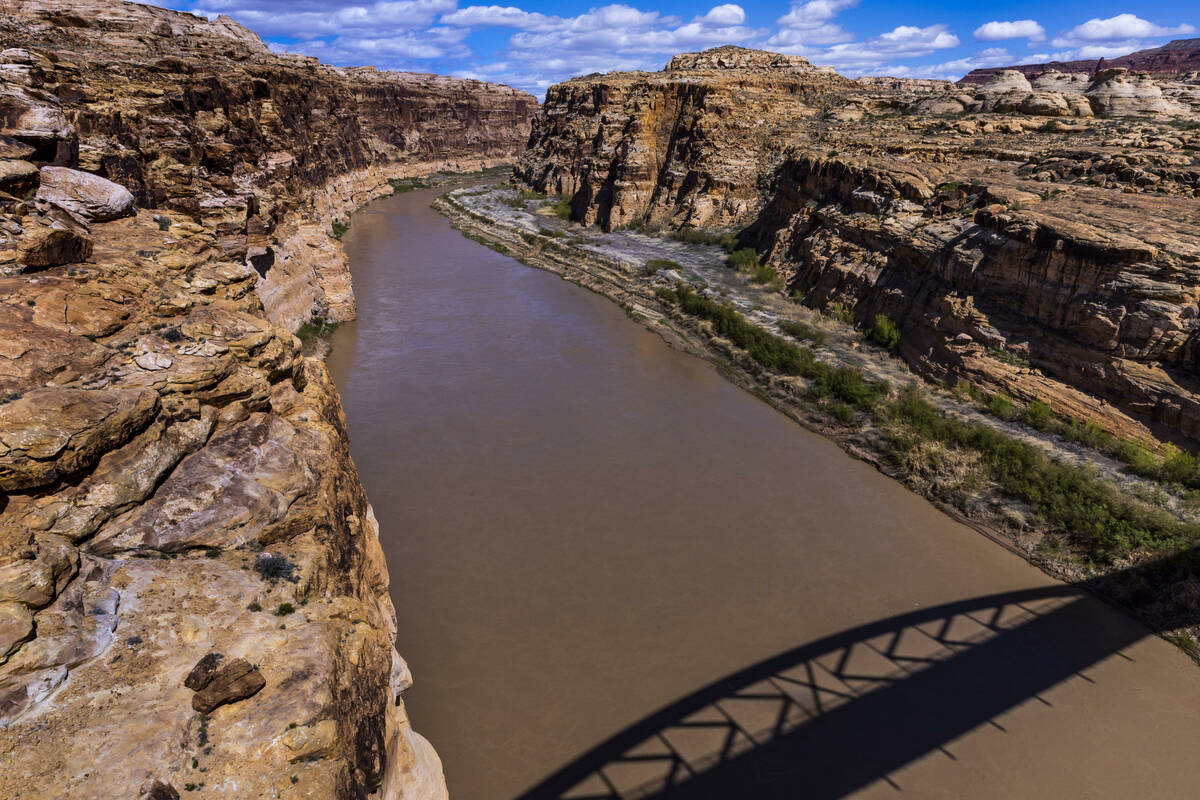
(584, 526)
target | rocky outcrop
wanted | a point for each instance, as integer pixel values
(201, 118)
(1173, 60)
(175, 471)
(638, 147)
(84, 195)
(1053, 259)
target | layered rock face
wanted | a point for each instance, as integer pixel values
(192, 590)
(1052, 259)
(687, 144)
(1172, 60)
(200, 117)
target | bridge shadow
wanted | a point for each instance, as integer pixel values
(834, 715)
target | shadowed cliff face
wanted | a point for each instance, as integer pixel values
(1052, 222)
(178, 496)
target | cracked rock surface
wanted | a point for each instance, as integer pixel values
(167, 189)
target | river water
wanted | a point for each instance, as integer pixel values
(585, 529)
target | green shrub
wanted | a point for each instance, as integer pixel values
(562, 210)
(766, 348)
(765, 273)
(668, 296)
(339, 229)
(1039, 414)
(1089, 434)
(801, 331)
(843, 413)
(885, 332)
(402, 185)
(727, 241)
(1071, 500)
(273, 567)
(285, 609)
(1007, 356)
(744, 260)
(849, 386)
(655, 264)
(1180, 467)
(315, 328)
(840, 311)
(999, 405)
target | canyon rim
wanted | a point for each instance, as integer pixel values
(192, 592)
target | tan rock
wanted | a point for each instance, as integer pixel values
(48, 246)
(50, 433)
(1121, 93)
(19, 178)
(88, 196)
(16, 625)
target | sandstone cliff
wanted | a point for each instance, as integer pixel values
(1020, 237)
(178, 498)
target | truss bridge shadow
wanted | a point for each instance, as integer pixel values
(832, 716)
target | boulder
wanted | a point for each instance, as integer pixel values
(14, 148)
(941, 106)
(217, 682)
(1046, 104)
(1121, 93)
(88, 196)
(158, 790)
(1061, 82)
(50, 246)
(18, 178)
(1009, 81)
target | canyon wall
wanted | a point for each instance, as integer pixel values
(1038, 238)
(192, 591)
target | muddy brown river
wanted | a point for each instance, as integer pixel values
(617, 575)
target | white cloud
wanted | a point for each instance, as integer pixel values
(903, 42)
(389, 50)
(498, 17)
(617, 31)
(307, 19)
(728, 14)
(1118, 28)
(810, 23)
(1017, 29)
(953, 70)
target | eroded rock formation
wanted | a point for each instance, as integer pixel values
(1172, 60)
(1052, 258)
(175, 472)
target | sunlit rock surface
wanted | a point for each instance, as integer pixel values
(175, 471)
(1037, 237)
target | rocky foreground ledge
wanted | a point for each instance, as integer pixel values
(192, 591)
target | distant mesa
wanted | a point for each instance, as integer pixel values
(734, 57)
(1173, 59)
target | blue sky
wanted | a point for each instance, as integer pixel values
(537, 43)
